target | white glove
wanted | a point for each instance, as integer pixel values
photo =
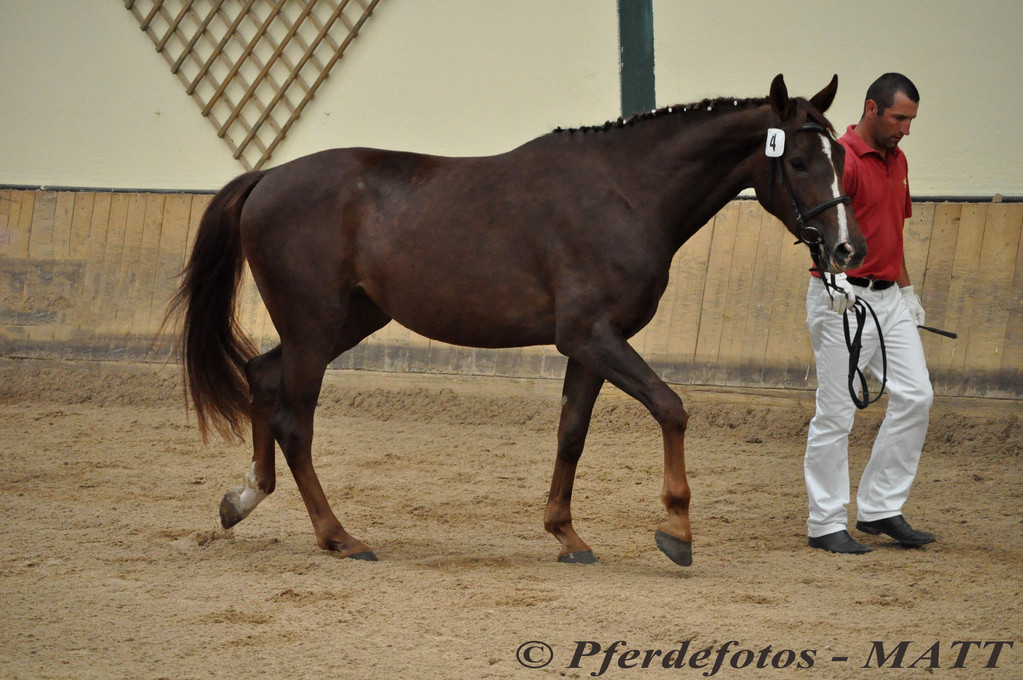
(840, 292)
(912, 300)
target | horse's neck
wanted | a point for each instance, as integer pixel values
(696, 168)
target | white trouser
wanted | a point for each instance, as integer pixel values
(889, 473)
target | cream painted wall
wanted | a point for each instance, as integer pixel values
(465, 77)
(964, 57)
(86, 100)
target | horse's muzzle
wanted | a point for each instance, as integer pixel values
(847, 256)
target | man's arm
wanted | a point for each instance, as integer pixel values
(903, 279)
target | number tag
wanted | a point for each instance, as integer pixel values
(775, 143)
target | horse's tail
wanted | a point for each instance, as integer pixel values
(213, 348)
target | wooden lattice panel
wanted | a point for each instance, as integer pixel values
(252, 65)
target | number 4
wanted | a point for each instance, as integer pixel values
(775, 143)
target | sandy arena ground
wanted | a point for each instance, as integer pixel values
(113, 565)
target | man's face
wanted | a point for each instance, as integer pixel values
(891, 125)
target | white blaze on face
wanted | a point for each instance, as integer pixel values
(836, 191)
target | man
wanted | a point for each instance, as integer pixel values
(876, 180)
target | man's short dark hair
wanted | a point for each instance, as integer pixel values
(883, 90)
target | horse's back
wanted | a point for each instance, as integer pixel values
(440, 244)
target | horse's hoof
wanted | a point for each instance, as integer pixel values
(581, 557)
(365, 556)
(678, 551)
(229, 512)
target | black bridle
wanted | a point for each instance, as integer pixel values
(808, 234)
(814, 240)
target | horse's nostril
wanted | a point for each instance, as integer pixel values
(844, 253)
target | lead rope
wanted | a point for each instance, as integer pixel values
(854, 342)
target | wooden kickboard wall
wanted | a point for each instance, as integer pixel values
(87, 275)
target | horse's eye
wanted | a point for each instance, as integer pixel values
(798, 164)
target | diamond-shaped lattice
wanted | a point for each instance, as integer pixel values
(252, 65)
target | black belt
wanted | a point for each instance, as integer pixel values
(870, 284)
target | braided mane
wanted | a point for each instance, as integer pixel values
(707, 106)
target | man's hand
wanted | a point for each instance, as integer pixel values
(840, 292)
(912, 300)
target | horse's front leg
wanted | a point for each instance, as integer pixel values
(675, 536)
(580, 392)
(604, 351)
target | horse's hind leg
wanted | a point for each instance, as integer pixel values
(580, 393)
(305, 356)
(264, 375)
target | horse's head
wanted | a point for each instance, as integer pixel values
(799, 178)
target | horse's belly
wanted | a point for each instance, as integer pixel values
(461, 275)
(470, 313)
(484, 335)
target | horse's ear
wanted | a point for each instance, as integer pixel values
(822, 100)
(779, 98)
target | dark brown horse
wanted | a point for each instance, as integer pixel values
(566, 240)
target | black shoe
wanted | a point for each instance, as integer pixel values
(898, 528)
(838, 542)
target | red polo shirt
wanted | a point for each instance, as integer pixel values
(879, 189)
